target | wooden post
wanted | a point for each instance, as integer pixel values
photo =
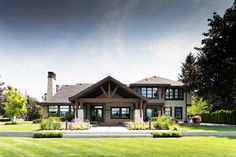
(76, 108)
(141, 108)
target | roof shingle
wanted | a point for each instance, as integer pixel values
(158, 81)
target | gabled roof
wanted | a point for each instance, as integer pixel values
(66, 91)
(156, 80)
(97, 85)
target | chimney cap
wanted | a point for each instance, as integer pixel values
(51, 75)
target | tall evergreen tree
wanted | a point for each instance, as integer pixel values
(216, 62)
(188, 72)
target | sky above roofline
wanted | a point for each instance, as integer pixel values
(85, 41)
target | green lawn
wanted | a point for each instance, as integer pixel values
(163, 147)
(206, 128)
(24, 126)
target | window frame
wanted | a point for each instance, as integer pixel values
(57, 107)
(147, 93)
(181, 112)
(120, 113)
(171, 114)
(171, 93)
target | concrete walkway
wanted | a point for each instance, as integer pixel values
(100, 132)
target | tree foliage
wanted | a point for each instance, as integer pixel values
(15, 103)
(198, 107)
(189, 72)
(1, 97)
(215, 76)
(34, 111)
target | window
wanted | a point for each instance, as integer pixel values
(120, 112)
(125, 113)
(168, 111)
(155, 93)
(150, 112)
(144, 91)
(64, 110)
(174, 94)
(115, 113)
(178, 112)
(150, 92)
(53, 110)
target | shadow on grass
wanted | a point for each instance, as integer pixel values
(228, 137)
(207, 128)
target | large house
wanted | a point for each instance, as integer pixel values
(110, 102)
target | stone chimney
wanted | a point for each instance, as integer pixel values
(51, 88)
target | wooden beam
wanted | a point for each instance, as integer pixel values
(114, 91)
(109, 89)
(109, 100)
(104, 92)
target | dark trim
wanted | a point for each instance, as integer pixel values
(174, 94)
(120, 109)
(146, 96)
(181, 112)
(54, 103)
(150, 85)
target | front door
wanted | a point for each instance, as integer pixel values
(96, 113)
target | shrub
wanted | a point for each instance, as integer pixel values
(47, 135)
(52, 123)
(80, 126)
(67, 117)
(197, 119)
(137, 126)
(162, 123)
(36, 121)
(167, 134)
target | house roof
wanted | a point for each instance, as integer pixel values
(156, 80)
(66, 91)
(97, 85)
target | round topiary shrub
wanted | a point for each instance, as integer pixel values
(197, 119)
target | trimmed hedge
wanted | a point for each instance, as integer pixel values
(220, 116)
(166, 134)
(47, 135)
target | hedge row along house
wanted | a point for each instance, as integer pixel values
(110, 102)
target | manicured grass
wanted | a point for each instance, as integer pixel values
(24, 126)
(206, 128)
(158, 147)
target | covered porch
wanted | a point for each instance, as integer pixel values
(108, 102)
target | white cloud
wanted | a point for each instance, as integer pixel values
(168, 52)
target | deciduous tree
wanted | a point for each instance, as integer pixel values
(15, 103)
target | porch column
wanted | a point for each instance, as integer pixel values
(76, 109)
(80, 113)
(138, 115)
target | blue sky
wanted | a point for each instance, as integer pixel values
(84, 41)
